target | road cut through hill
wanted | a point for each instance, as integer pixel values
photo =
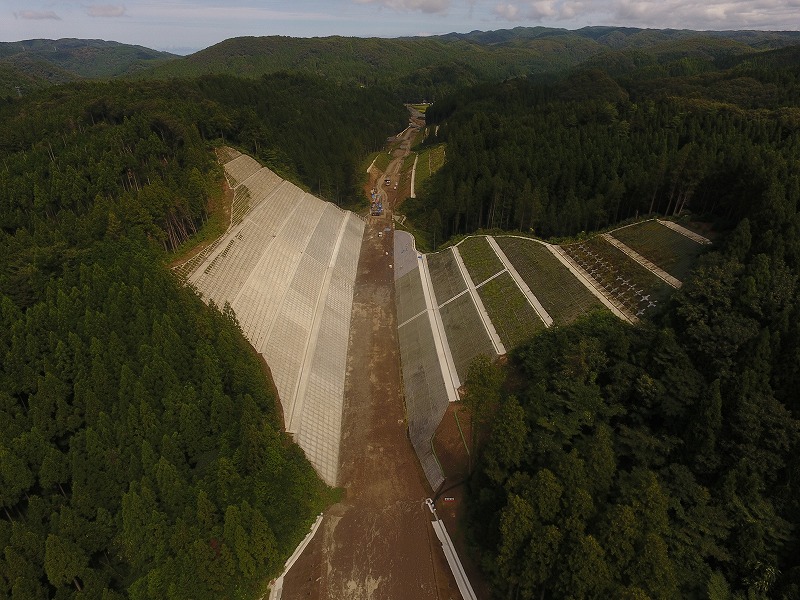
(377, 543)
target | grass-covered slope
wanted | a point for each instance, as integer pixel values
(563, 296)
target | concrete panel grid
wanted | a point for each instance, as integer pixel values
(225, 154)
(260, 186)
(288, 270)
(240, 168)
(261, 298)
(298, 230)
(425, 392)
(410, 297)
(326, 233)
(224, 281)
(350, 251)
(447, 280)
(284, 352)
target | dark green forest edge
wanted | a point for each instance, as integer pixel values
(141, 444)
(141, 454)
(659, 461)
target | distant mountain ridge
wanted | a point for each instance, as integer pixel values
(629, 36)
(43, 61)
(434, 64)
(413, 67)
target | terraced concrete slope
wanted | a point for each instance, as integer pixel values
(489, 294)
(287, 266)
(427, 381)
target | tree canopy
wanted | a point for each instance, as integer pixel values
(142, 452)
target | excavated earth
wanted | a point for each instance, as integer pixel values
(377, 542)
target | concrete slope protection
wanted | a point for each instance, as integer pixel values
(287, 268)
(447, 312)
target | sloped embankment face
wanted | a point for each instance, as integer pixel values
(561, 293)
(424, 384)
(287, 267)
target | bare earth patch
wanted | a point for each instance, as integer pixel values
(451, 449)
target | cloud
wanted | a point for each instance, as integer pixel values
(711, 14)
(228, 13)
(105, 10)
(426, 6)
(509, 12)
(678, 14)
(571, 10)
(37, 15)
(542, 9)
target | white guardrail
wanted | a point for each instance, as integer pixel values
(464, 586)
(276, 587)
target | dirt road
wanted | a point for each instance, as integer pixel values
(377, 543)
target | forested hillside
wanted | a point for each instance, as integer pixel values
(141, 446)
(658, 461)
(591, 149)
(430, 67)
(308, 129)
(79, 58)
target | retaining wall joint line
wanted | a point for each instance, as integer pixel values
(499, 348)
(523, 287)
(638, 258)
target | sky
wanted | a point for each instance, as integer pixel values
(184, 26)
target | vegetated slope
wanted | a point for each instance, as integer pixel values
(627, 37)
(658, 461)
(592, 149)
(366, 60)
(429, 67)
(80, 58)
(310, 130)
(15, 82)
(140, 445)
